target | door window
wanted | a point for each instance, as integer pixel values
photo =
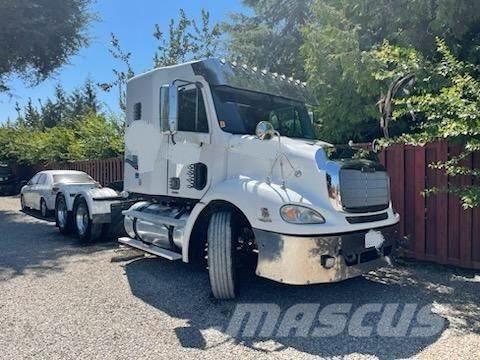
(42, 179)
(33, 180)
(192, 116)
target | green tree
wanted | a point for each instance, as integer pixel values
(450, 109)
(95, 136)
(331, 43)
(340, 42)
(120, 76)
(32, 117)
(39, 36)
(271, 37)
(99, 137)
(187, 40)
(53, 111)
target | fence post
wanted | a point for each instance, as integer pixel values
(419, 202)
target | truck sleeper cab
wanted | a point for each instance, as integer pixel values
(225, 162)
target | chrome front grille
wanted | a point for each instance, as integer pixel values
(364, 191)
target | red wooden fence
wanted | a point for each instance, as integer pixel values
(440, 230)
(438, 227)
(104, 171)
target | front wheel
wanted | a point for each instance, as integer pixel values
(44, 209)
(221, 261)
(22, 203)
(87, 231)
(63, 218)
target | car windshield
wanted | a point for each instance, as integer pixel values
(239, 111)
(72, 178)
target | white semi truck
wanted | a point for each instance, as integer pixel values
(222, 164)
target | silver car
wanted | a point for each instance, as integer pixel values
(41, 191)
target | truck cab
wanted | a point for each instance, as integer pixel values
(224, 162)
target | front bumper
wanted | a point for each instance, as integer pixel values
(300, 260)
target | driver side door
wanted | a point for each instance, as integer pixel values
(28, 191)
(188, 149)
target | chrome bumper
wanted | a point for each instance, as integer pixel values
(300, 260)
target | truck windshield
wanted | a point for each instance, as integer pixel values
(239, 111)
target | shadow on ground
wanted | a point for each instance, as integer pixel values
(31, 244)
(183, 291)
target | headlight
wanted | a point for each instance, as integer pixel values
(296, 214)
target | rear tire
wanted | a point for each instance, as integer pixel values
(86, 230)
(221, 249)
(63, 217)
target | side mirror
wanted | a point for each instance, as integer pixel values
(264, 130)
(169, 108)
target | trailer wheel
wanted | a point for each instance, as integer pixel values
(63, 218)
(221, 261)
(86, 230)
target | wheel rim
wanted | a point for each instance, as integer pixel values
(22, 202)
(43, 208)
(62, 214)
(81, 219)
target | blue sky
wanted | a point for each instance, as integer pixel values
(133, 23)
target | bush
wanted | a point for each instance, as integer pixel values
(94, 136)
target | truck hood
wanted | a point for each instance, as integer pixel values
(258, 158)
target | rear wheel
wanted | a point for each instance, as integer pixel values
(86, 230)
(221, 260)
(62, 217)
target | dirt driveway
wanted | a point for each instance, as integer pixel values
(61, 300)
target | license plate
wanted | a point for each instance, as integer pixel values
(374, 239)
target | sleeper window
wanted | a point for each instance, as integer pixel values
(191, 111)
(137, 111)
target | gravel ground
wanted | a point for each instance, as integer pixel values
(61, 300)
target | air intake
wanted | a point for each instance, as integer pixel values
(364, 190)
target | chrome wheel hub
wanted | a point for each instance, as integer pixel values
(82, 219)
(62, 214)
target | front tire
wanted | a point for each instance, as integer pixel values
(63, 218)
(22, 203)
(221, 261)
(44, 209)
(86, 230)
